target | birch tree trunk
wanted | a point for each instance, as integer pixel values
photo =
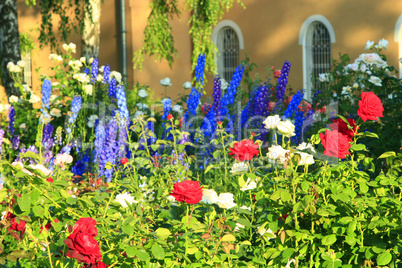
(91, 33)
(9, 43)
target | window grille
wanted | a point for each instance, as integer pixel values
(320, 53)
(228, 46)
(27, 69)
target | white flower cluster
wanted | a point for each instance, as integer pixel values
(239, 167)
(177, 108)
(286, 127)
(75, 65)
(70, 47)
(82, 77)
(116, 75)
(13, 99)
(91, 120)
(55, 58)
(250, 184)
(224, 200)
(125, 199)
(12, 68)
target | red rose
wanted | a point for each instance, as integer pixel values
(82, 244)
(169, 116)
(49, 180)
(335, 143)
(187, 191)
(19, 227)
(49, 225)
(277, 73)
(180, 122)
(124, 161)
(244, 150)
(370, 107)
(96, 265)
(342, 127)
(98, 181)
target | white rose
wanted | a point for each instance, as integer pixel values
(72, 47)
(15, 69)
(375, 80)
(13, 99)
(125, 199)
(250, 184)
(177, 108)
(34, 98)
(225, 200)
(21, 63)
(224, 84)
(116, 75)
(88, 89)
(138, 114)
(369, 45)
(306, 159)
(187, 85)
(91, 60)
(83, 59)
(271, 122)
(23, 126)
(276, 152)
(142, 106)
(209, 196)
(239, 167)
(325, 77)
(62, 159)
(101, 68)
(382, 44)
(245, 207)
(261, 230)
(166, 82)
(303, 146)
(10, 65)
(44, 170)
(142, 93)
(55, 112)
(286, 128)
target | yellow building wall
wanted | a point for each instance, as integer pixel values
(270, 30)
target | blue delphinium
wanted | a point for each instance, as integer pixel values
(86, 71)
(47, 139)
(2, 132)
(122, 103)
(249, 108)
(46, 92)
(109, 151)
(11, 120)
(106, 74)
(122, 141)
(216, 95)
(23, 150)
(75, 108)
(167, 107)
(15, 144)
(299, 118)
(199, 69)
(100, 135)
(192, 103)
(230, 94)
(95, 68)
(283, 81)
(112, 88)
(293, 104)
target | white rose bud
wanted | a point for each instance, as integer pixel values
(166, 82)
(306, 159)
(369, 45)
(375, 80)
(226, 200)
(187, 85)
(209, 196)
(13, 99)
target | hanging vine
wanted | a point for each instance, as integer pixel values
(158, 38)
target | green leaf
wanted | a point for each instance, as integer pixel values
(384, 258)
(64, 193)
(128, 229)
(3, 194)
(109, 165)
(162, 233)
(358, 147)
(228, 238)
(158, 251)
(130, 251)
(329, 240)
(387, 154)
(154, 147)
(142, 255)
(285, 196)
(370, 134)
(24, 202)
(18, 253)
(363, 187)
(192, 250)
(208, 168)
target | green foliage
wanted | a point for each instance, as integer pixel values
(26, 43)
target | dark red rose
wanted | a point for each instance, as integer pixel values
(180, 122)
(187, 191)
(342, 127)
(283, 218)
(19, 227)
(244, 150)
(124, 161)
(335, 143)
(82, 244)
(271, 105)
(98, 181)
(96, 265)
(370, 107)
(169, 116)
(49, 180)
(49, 225)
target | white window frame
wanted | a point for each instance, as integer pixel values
(215, 35)
(398, 39)
(304, 42)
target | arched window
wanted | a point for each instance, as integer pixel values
(316, 36)
(398, 39)
(228, 39)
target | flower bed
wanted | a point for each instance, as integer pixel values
(210, 187)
